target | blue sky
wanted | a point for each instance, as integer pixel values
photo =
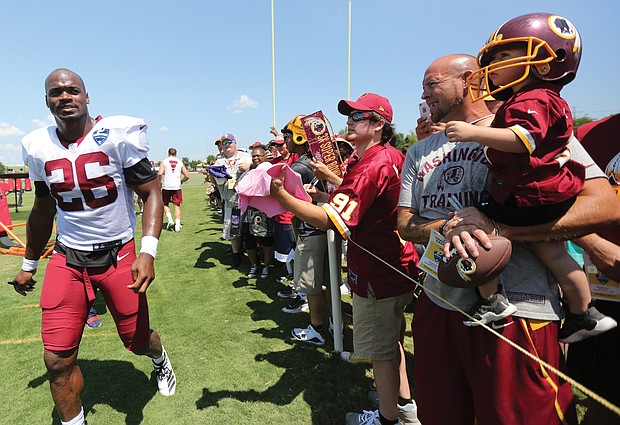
(196, 69)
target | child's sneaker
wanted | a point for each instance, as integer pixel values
(579, 327)
(495, 308)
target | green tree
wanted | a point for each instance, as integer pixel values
(579, 121)
(401, 141)
(2, 168)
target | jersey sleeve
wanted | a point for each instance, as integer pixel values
(134, 146)
(347, 206)
(408, 178)
(530, 119)
(30, 144)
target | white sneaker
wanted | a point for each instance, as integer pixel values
(309, 335)
(170, 225)
(344, 288)
(177, 227)
(166, 379)
(367, 417)
(407, 414)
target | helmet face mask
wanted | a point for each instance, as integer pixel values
(553, 52)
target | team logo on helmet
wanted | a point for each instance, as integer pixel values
(564, 28)
(101, 135)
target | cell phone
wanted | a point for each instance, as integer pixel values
(424, 111)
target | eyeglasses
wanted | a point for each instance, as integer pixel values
(257, 156)
(359, 116)
(226, 142)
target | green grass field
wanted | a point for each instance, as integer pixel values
(228, 340)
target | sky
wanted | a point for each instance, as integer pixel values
(197, 69)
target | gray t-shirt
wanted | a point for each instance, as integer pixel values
(436, 171)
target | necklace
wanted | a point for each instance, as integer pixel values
(480, 119)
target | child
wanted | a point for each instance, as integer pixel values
(526, 62)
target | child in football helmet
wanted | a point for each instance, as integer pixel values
(526, 62)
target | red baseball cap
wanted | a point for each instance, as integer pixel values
(255, 144)
(367, 102)
(279, 140)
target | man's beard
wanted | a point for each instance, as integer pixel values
(440, 113)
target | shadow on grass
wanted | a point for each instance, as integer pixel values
(115, 383)
(210, 251)
(329, 386)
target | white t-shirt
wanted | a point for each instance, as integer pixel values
(172, 173)
(93, 202)
(226, 186)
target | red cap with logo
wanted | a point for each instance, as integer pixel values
(367, 102)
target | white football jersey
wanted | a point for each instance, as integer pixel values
(172, 173)
(94, 204)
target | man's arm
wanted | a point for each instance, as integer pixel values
(38, 231)
(143, 269)
(185, 174)
(412, 227)
(595, 208)
(605, 255)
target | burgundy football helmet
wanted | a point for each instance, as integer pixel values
(553, 53)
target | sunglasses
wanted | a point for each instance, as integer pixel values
(226, 142)
(359, 116)
(257, 156)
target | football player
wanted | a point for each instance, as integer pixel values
(85, 171)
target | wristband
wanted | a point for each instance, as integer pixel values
(29, 265)
(149, 245)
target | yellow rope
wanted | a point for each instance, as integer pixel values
(562, 375)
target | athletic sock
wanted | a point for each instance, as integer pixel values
(404, 401)
(78, 420)
(387, 421)
(160, 360)
(177, 221)
(169, 217)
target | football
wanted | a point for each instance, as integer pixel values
(473, 272)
